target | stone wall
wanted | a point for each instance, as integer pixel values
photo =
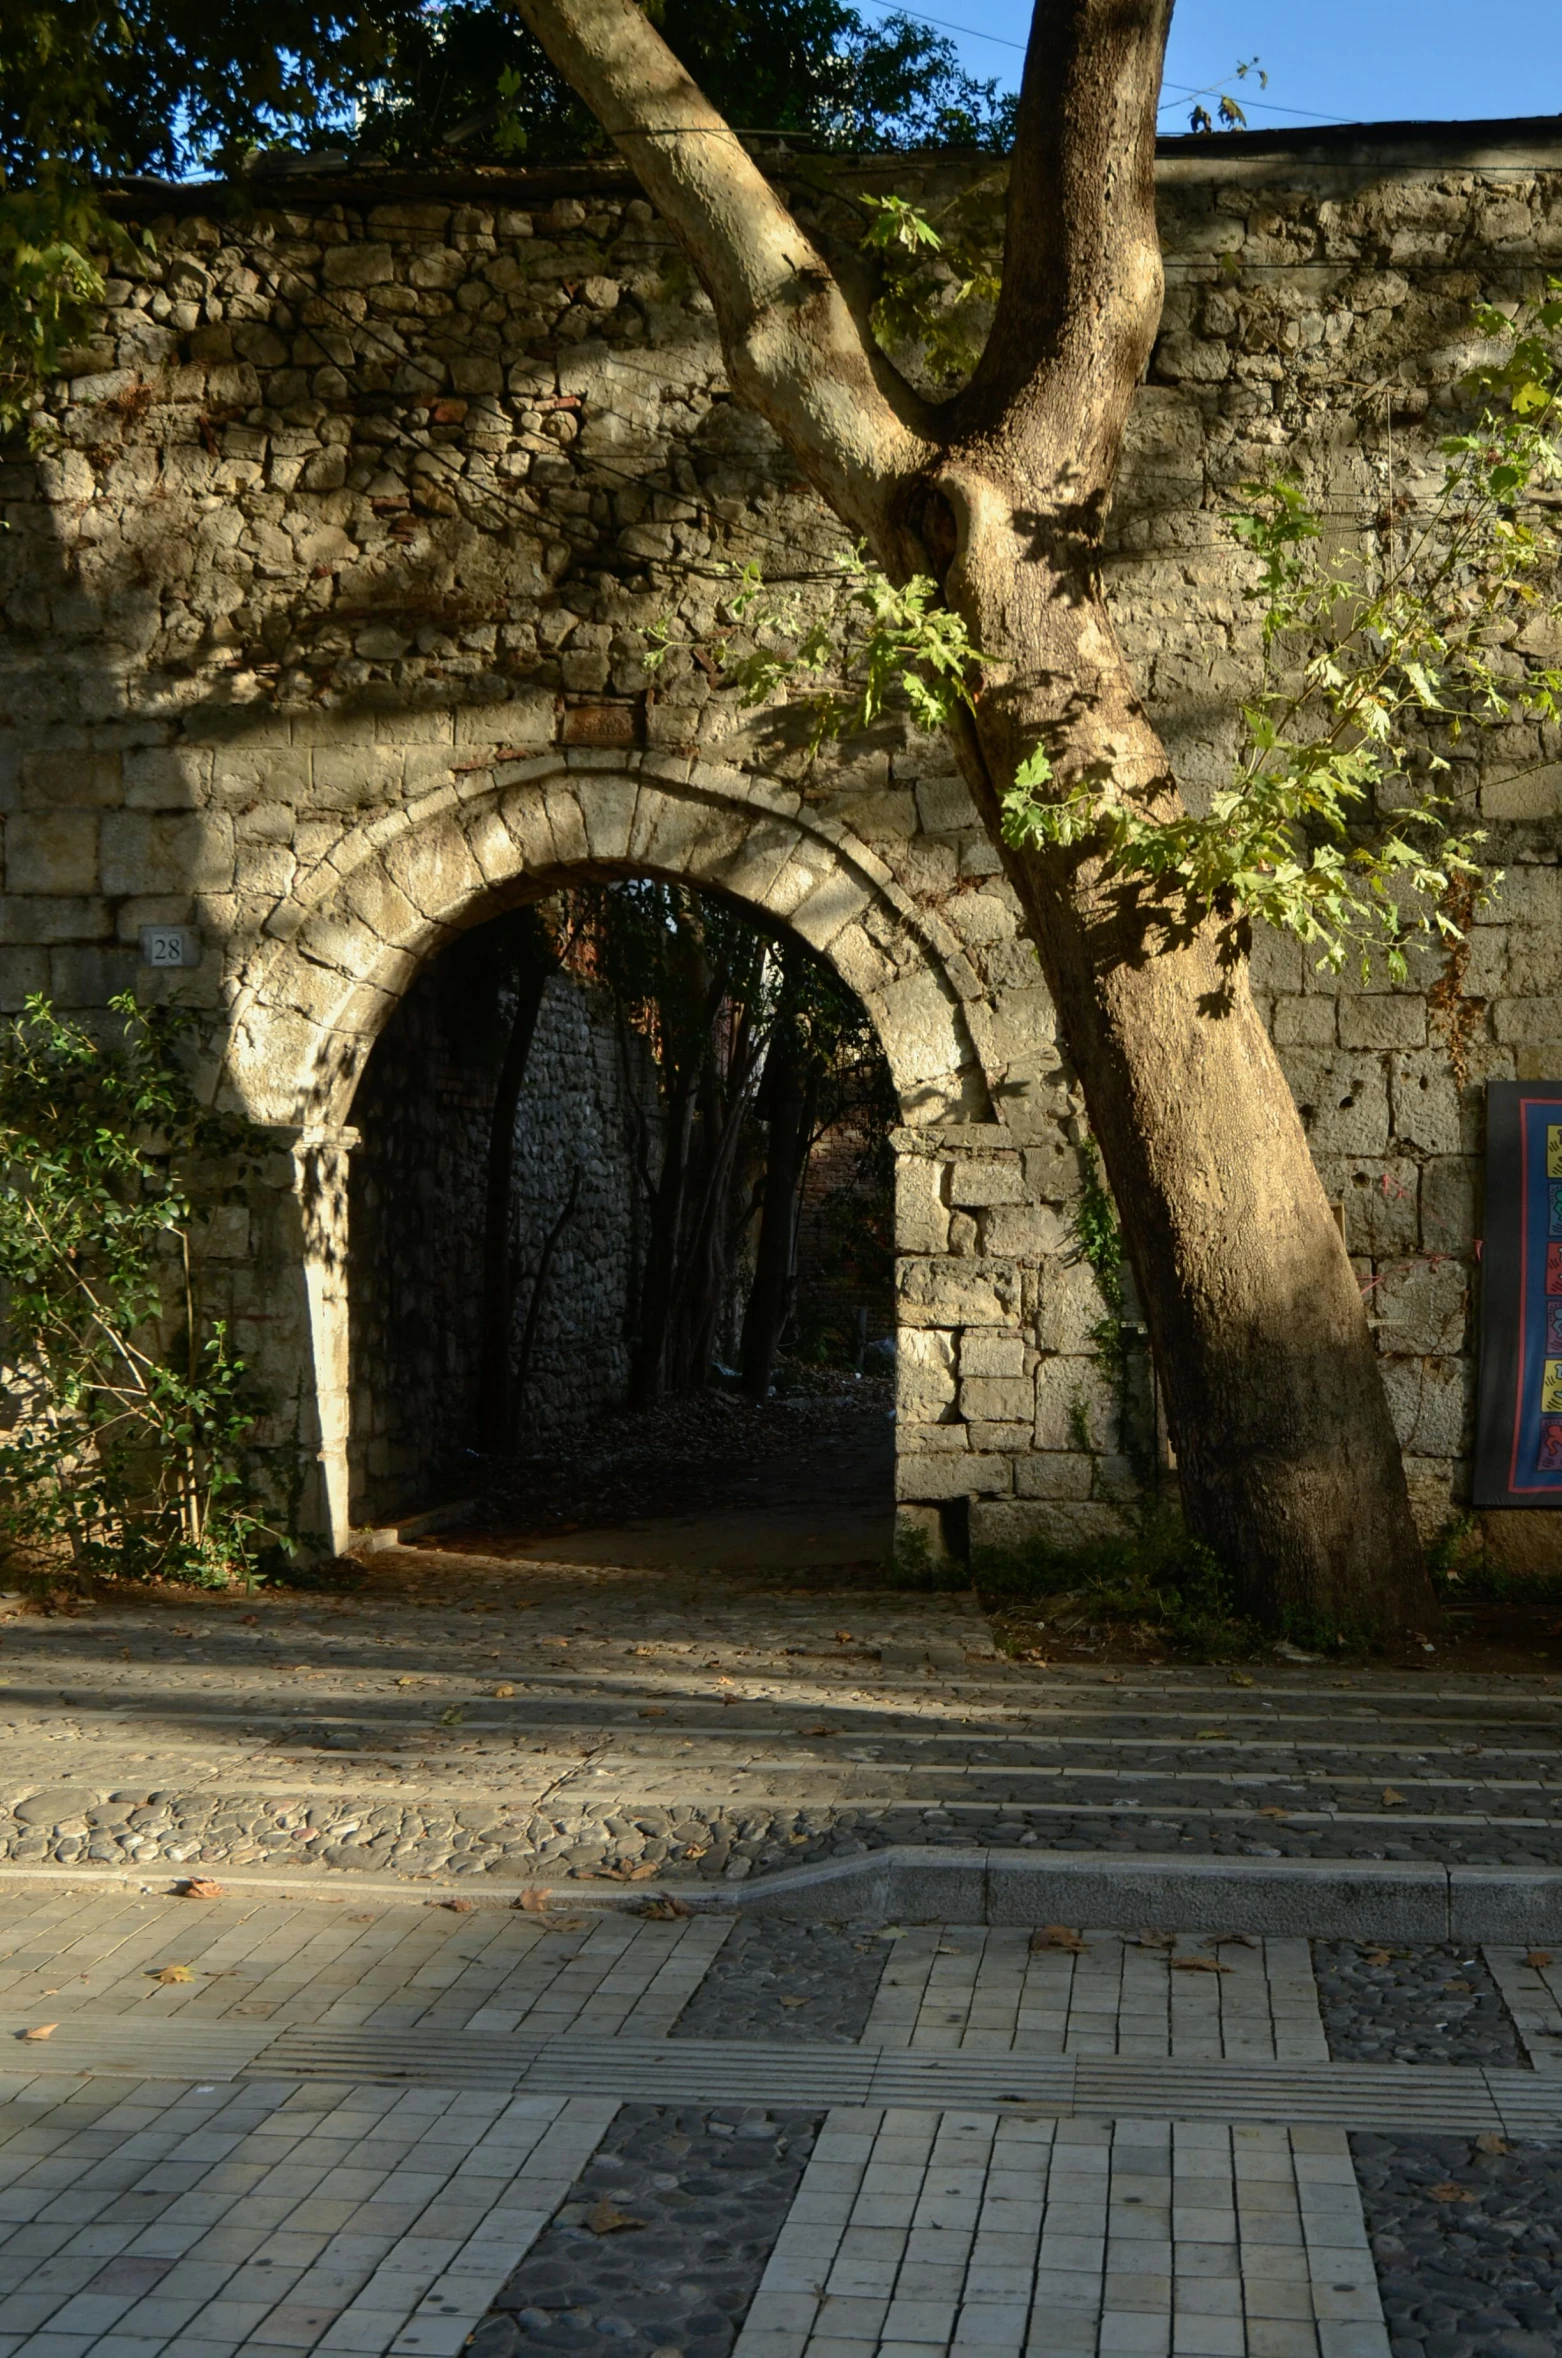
(417, 1197)
(423, 1118)
(845, 1277)
(588, 1111)
(325, 613)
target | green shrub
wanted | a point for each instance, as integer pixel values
(131, 1415)
(1154, 1574)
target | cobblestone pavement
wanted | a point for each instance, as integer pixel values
(1468, 2244)
(575, 1722)
(776, 1980)
(662, 2240)
(1432, 2004)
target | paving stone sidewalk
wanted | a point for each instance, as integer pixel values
(177, 2218)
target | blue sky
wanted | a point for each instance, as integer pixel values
(1347, 60)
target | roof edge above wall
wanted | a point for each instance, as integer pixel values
(1521, 143)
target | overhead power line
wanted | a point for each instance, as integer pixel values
(1179, 90)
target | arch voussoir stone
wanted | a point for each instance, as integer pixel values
(320, 987)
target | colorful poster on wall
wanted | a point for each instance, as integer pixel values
(1518, 1440)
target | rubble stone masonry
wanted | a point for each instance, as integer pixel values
(326, 602)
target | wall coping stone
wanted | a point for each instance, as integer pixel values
(1488, 143)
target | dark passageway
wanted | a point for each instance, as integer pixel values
(622, 1229)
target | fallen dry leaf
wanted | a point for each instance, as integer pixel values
(813, 1731)
(1449, 2192)
(1457, 1989)
(457, 1907)
(1272, 1809)
(503, 1694)
(1058, 1936)
(1200, 1965)
(797, 2001)
(654, 1711)
(174, 1973)
(42, 2030)
(200, 1887)
(406, 1682)
(1537, 1959)
(1377, 1957)
(1239, 1678)
(667, 1904)
(605, 2218)
(1212, 1735)
(1391, 1799)
(535, 1900)
(1228, 1940)
(1490, 2142)
(1149, 1938)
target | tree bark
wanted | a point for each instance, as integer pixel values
(648, 1361)
(1286, 1451)
(790, 1125)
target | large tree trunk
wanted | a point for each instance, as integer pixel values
(649, 1358)
(705, 1282)
(1287, 1454)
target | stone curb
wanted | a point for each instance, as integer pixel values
(1339, 1899)
(379, 1538)
(1326, 1899)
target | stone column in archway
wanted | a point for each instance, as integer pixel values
(322, 1162)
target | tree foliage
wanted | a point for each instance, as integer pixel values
(1347, 819)
(131, 1414)
(99, 90)
(1345, 823)
(868, 642)
(467, 77)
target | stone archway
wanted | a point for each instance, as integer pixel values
(347, 944)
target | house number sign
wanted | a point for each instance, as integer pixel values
(170, 945)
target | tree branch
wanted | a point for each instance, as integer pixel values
(1082, 280)
(794, 350)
